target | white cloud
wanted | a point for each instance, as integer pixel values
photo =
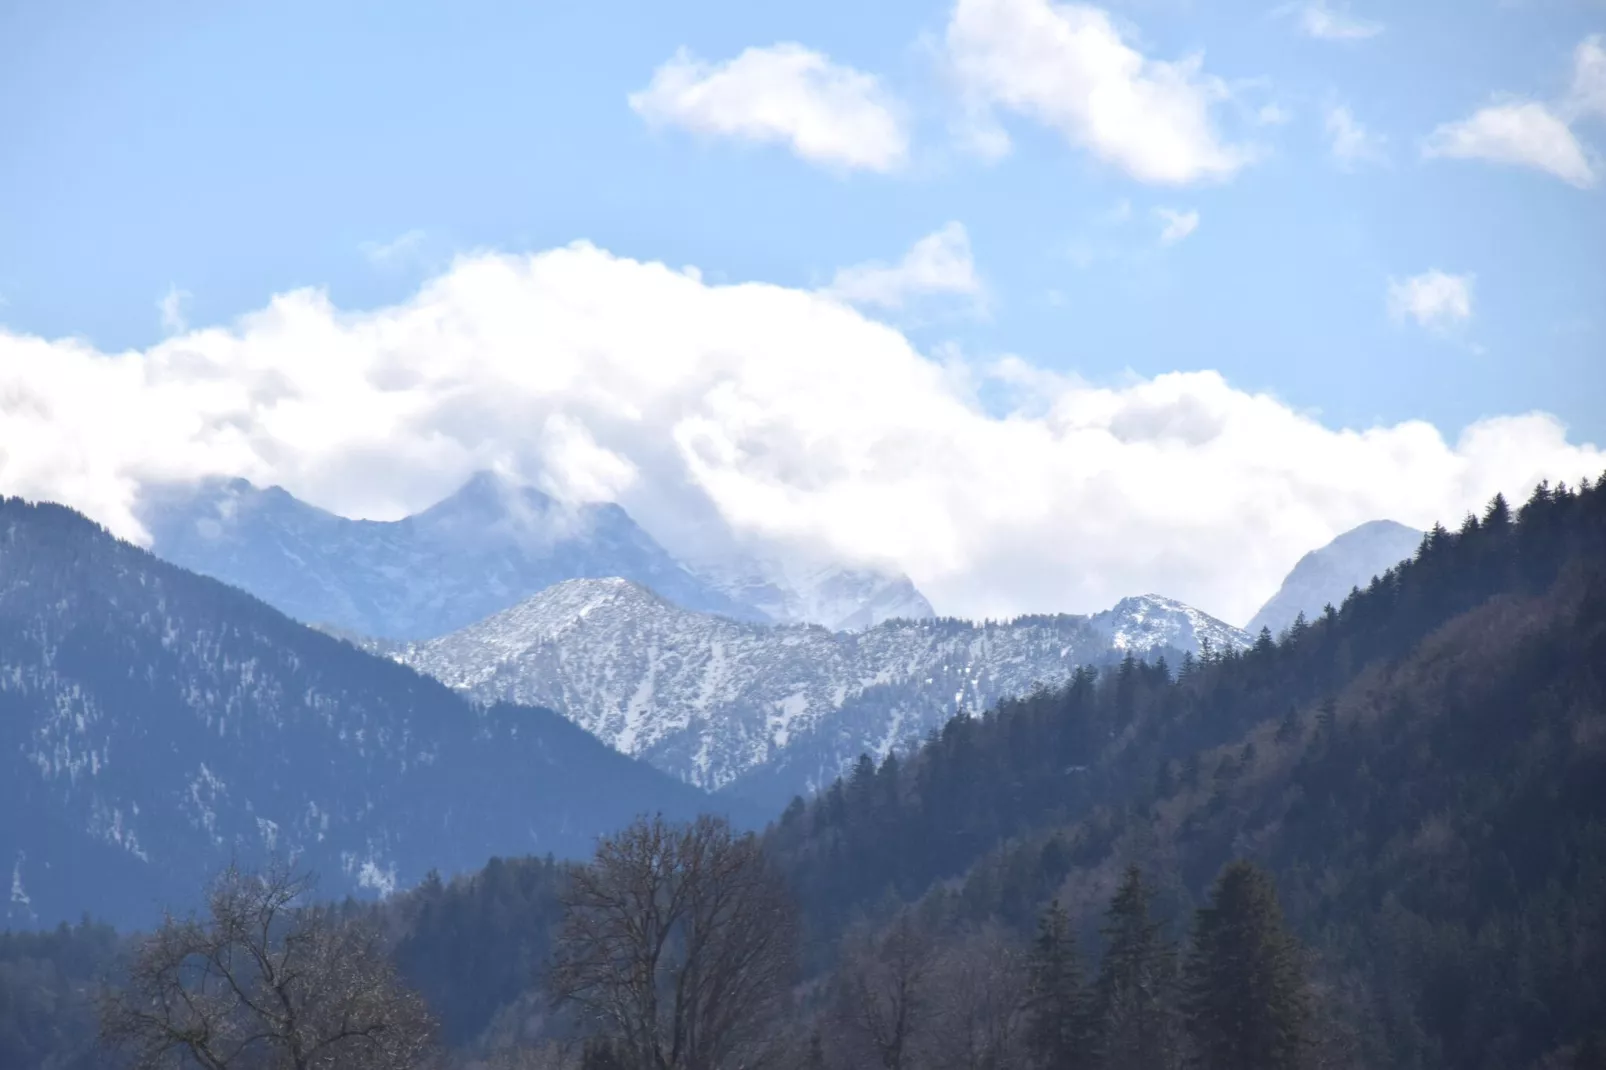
(171, 307)
(1318, 19)
(1434, 299)
(1176, 225)
(938, 264)
(397, 251)
(827, 113)
(1588, 93)
(780, 414)
(1526, 134)
(1535, 134)
(1351, 142)
(1273, 115)
(1067, 66)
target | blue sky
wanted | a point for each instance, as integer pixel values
(235, 151)
(218, 155)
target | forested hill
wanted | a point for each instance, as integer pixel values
(1423, 768)
(155, 723)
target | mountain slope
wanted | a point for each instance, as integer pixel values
(769, 711)
(474, 553)
(155, 723)
(1329, 574)
(1421, 768)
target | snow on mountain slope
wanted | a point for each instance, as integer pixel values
(1331, 572)
(1150, 621)
(716, 701)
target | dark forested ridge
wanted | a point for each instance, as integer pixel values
(1378, 840)
(1423, 769)
(155, 723)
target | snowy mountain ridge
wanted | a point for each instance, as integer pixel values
(1150, 621)
(773, 709)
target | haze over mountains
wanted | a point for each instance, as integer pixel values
(1328, 574)
(480, 550)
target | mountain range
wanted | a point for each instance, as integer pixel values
(480, 550)
(155, 724)
(771, 711)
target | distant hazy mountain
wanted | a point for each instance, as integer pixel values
(1330, 573)
(155, 723)
(840, 598)
(479, 551)
(766, 711)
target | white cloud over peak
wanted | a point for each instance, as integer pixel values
(826, 113)
(1349, 139)
(1535, 134)
(782, 415)
(1067, 66)
(939, 264)
(1434, 299)
(1175, 225)
(1320, 20)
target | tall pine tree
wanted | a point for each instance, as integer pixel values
(1137, 984)
(1245, 1000)
(1059, 1032)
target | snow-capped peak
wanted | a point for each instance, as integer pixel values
(1148, 621)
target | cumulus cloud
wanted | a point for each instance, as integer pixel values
(1175, 225)
(1350, 141)
(1318, 19)
(1532, 133)
(938, 264)
(825, 112)
(1433, 299)
(780, 415)
(171, 309)
(1067, 66)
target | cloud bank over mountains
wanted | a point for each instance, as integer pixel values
(782, 415)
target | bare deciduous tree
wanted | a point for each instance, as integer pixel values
(678, 945)
(267, 983)
(979, 996)
(883, 1001)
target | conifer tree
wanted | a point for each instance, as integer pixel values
(1244, 999)
(1136, 991)
(1058, 1019)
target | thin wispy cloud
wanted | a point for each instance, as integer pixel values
(1325, 22)
(940, 264)
(1175, 225)
(402, 249)
(824, 112)
(170, 307)
(1349, 140)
